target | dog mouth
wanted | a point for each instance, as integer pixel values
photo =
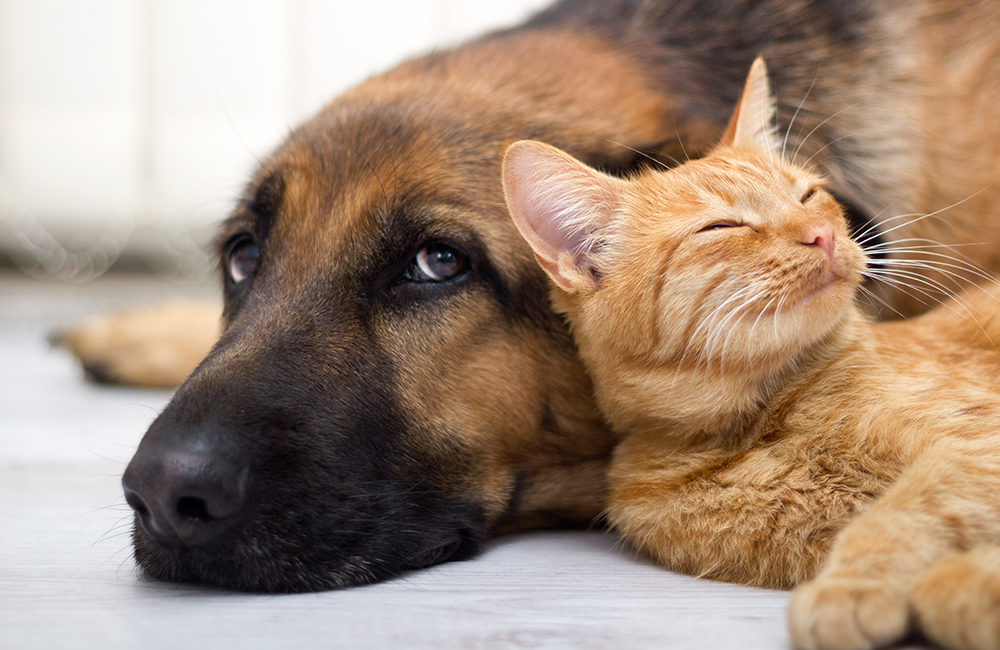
(204, 518)
(440, 552)
(275, 565)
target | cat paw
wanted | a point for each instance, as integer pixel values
(956, 602)
(846, 614)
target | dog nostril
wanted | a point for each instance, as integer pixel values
(187, 493)
(194, 508)
(136, 503)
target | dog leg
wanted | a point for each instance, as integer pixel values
(153, 347)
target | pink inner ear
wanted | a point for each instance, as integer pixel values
(547, 195)
(556, 217)
(556, 203)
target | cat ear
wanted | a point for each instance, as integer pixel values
(558, 204)
(752, 124)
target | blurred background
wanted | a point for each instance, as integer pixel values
(127, 127)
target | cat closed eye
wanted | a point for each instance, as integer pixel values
(811, 192)
(719, 225)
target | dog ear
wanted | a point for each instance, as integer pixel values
(752, 124)
(560, 206)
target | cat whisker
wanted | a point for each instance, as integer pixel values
(706, 353)
(874, 222)
(903, 286)
(867, 235)
(937, 286)
(921, 218)
(680, 141)
(907, 246)
(784, 142)
(730, 331)
(958, 280)
(709, 319)
(927, 248)
(820, 150)
(937, 265)
(898, 250)
(904, 266)
(871, 295)
(707, 324)
(929, 243)
(726, 331)
(777, 314)
(971, 316)
(964, 304)
(647, 156)
(760, 315)
(715, 329)
(817, 127)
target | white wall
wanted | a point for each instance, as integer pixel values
(133, 123)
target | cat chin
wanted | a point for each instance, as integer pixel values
(815, 317)
(832, 295)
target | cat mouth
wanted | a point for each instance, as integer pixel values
(824, 283)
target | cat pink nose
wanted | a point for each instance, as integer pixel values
(820, 235)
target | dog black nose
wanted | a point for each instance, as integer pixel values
(185, 495)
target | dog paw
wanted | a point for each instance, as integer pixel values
(155, 346)
(846, 614)
(956, 602)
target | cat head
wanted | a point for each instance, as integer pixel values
(734, 263)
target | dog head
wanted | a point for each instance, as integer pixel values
(391, 386)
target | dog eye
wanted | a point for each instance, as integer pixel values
(437, 263)
(241, 261)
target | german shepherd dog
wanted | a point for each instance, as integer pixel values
(391, 387)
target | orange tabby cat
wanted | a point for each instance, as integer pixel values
(771, 434)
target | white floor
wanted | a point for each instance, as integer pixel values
(67, 579)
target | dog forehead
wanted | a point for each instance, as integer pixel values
(356, 182)
(334, 191)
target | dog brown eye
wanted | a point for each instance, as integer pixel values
(242, 259)
(438, 263)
